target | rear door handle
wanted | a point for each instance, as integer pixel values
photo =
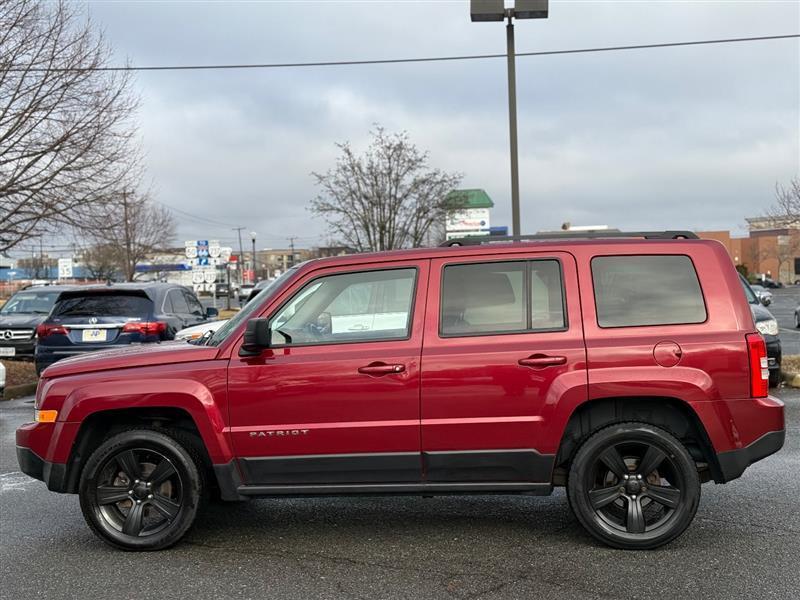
(378, 369)
(538, 361)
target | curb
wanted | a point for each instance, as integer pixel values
(18, 391)
(791, 379)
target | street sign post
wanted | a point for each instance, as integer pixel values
(65, 268)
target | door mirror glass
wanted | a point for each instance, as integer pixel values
(212, 313)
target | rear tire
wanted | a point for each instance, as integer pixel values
(633, 486)
(141, 489)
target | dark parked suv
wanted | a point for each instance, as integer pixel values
(21, 315)
(767, 326)
(92, 318)
(628, 370)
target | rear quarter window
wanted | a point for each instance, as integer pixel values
(633, 291)
(104, 305)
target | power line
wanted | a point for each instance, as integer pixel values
(388, 61)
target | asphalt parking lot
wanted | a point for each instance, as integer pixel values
(784, 301)
(742, 544)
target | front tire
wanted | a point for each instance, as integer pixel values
(633, 486)
(141, 489)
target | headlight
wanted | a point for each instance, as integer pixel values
(768, 327)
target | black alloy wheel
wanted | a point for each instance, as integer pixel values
(140, 490)
(634, 486)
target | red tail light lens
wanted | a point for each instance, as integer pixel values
(43, 330)
(759, 366)
(145, 328)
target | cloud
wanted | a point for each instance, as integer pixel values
(683, 137)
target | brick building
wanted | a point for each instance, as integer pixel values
(772, 249)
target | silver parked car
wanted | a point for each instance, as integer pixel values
(764, 295)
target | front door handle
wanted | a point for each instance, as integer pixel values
(378, 368)
(538, 361)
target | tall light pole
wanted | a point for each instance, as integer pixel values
(495, 10)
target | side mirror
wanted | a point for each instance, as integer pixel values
(212, 313)
(256, 337)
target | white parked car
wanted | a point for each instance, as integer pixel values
(197, 331)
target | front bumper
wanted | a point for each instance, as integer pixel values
(734, 462)
(22, 348)
(54, 475)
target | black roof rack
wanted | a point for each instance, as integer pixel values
(572, 235)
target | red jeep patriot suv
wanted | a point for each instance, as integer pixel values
(628, 370)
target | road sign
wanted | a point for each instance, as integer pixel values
(65, 268)
(210, 276)
(197, 276)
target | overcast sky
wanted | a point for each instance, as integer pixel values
(674, 138)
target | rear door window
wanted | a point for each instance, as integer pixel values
(633, 291)
(502, 297)
(104, 305)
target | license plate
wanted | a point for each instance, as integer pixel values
(8, 351)
(94, 335)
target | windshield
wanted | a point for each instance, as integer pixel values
(251, 307)
(30, 303)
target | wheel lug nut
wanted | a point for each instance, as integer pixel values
(136, 481)
(139, 501)
(638, 477)
(149, 497)
(633, 497)
(625, 476)
(130, 492)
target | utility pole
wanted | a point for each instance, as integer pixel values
(291, 243)
(241, 254)
(127, 229)
(255, 268)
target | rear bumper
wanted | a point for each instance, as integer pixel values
(774, 353)
(54, 475)
(734, 462)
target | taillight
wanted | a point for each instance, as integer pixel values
(43, 330)
(145, 327)
(759, 366)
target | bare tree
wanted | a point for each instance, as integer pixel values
(786, 210)
(66, 136)
(132, 229)
(785, 215)
(101, 260)
(386, 198)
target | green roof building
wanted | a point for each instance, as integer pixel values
(461, 199)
